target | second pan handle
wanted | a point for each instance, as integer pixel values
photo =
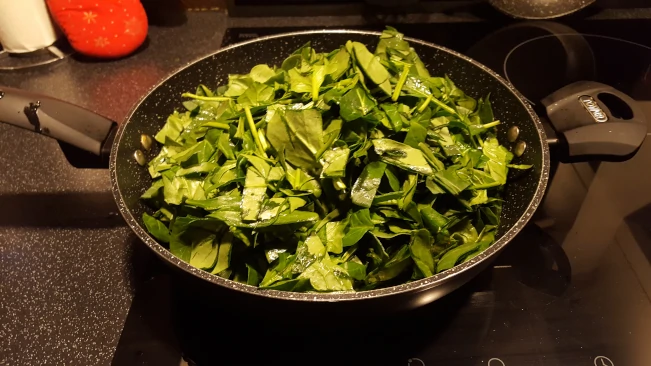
(63, 121)
(594, 121)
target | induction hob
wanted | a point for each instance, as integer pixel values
(574, 288)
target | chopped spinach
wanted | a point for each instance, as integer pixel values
(340, 171)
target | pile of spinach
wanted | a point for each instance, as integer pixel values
(338, 171)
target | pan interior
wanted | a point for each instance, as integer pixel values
(130, 180)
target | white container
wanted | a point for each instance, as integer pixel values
(25, 26)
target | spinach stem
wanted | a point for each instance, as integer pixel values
(208, 99)
(444, 106)
(263, 140)
(491, 124)
(315, 88)
(254, 131)
(401, 82)
(223, 126)
(425, 104)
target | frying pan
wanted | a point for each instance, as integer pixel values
(586, 127)
(539, 9)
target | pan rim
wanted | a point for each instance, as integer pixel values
(415, 286)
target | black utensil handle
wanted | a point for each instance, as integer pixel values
(60, 120)
(595, 121)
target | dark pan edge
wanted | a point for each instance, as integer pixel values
(415, 286)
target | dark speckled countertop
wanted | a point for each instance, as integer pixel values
(66, 257)
(66, 280)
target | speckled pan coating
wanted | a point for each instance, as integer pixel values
(540, 9)
(522, 196)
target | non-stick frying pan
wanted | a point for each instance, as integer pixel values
(591, 120)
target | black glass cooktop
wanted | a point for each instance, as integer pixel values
(573, 288)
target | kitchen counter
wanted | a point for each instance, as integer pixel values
(65, 253)
(66, 257)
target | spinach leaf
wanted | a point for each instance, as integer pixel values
(255, 188)
(334, 236)
(182, 232)
(224, 255)
(453, 256)
(227, 203)
(433, 220)
(392, 46)
(302, 181)
(334, 162)
(172, 128)
(156, 228)
(485, 111)
(355, 270)
(416, 135)
(355, 104)
(204, 253)
(402, 156)
(398, 263)
(298, 134)
(394, 183)
(421, 252)
(262, 73)
(451, 181)
(225, 146)
(281, 270)
(367, 184)
(177, 189)
(330, 134)
(256, 94)
(485, 240)
(372, 67)
(359, 223)
(311, 251)
(376, 252)
(253, 277)
(429, 156)
(153, 191)
(499, 157)
(205, 167)
(341, 62)
(200, 151)
(325, 275)
(234, 219)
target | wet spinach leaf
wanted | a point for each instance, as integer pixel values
(156, 228)
(366, 185)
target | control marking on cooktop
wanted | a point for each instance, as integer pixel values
(603, 361)
(496, 362)
(415, 362)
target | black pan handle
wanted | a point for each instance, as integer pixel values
(63, 121)
(594, 121)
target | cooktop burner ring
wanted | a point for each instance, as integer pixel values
(579, 64)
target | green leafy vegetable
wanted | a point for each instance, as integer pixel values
(367, 184)
(421, 253)
(398, 263)
(204, 253)
(324, 275)
(156, 228)
(355, 104)
(340, 171)
(224, 255)
(402, 156)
